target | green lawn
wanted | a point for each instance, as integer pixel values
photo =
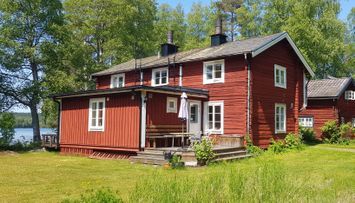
(314, 174)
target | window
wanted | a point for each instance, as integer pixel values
(350, 95)
(280, 118)
(213, 72)
(280, 76)
(214, 117)
(160, 76)
(97, 114)
(171, 105)
(306, 122)
(117, 80)
(353, 122)
(194, 113)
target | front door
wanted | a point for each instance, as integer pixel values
(195, 117)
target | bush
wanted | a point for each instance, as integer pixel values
(293, 141)
(7, 129)
(102, 195)
(251, 148)
(176, 162)
(337, 135)
(307, 134)
(277, 147)
(204, 150)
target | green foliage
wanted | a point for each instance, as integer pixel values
(93, 196)
(251, 148)
(204, 150)
(307, 134)
(293, 141)
(334, 134)
(7, 131)
(23, 146)
(176, 162)
(346, 130)
(277, 147)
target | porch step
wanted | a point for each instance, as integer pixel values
(149, 160)
(227, 149)
(231, 154)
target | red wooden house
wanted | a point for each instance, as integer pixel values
(254, 86)
(329, 99)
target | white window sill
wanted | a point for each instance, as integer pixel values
(280, 86)
(212, 82)
(215, 132)
(96, 130)
(154, 85)
(280, 132)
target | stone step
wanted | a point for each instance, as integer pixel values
(228, 149)
(231, 158)
(229, 154)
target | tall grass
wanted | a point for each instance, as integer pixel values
(268, 181)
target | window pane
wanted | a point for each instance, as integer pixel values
(163, 80)
(101, 105)
(120, 82)
(217, 125)
(282, 77)
(171, 104)
(100, 122)
(210, 125)
(209, 71)
(277, 76)
(93, 122)
(164, 73)
(94, 106)
(210, 109)
(93, 114)
(217, 117)
(217, 109)
(218, 71)
(100, 114)
(210, 117)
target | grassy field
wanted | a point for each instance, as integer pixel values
(311, 175)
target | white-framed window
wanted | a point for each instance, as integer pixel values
(306, 122)
(214, 117)
(280, 118)
(280, 76)
(353, 122)
(117, 80)
(349, 95)
(305, 82)
(97, 114)
(171, 105)
(160, 76)
(213, 72)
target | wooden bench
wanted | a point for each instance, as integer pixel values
(166, 132)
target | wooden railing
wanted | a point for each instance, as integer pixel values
(49, 140)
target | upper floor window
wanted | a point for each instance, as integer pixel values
(213, 72)
(306, 122)
(171, 105)
(160, 76)
(97, 114)
(349, 95)
(117, 80)
(214, 115)
(280, 76)
(280, 118)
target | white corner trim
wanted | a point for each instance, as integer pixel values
(143, 118)
(180, 75)
(269, 44)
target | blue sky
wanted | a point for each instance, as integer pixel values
(346, 5)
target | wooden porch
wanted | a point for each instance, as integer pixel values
(50, 141)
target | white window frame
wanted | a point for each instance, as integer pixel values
(353, 122)
(213, 80)
(283, 69)
(349, 95)
(118, 76)
(168, 109)
(206, 129)
(277, 105)
(160, 81)
(306, 121)
(96, 127)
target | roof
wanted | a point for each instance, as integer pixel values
(254, 46)
(327, 88)
(162, 89)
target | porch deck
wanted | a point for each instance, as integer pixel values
(50, 141)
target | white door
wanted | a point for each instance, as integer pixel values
(195, 117)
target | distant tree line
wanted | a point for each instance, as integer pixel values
(49, 47)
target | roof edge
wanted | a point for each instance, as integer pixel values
(345, 86)
(272, 42)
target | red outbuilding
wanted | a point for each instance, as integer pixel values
(254, 86)
(329, 99)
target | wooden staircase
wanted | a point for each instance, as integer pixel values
(156, 156)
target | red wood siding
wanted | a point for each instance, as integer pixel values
(346, 108)
(156, 110)
(321, 111)
(232, 91)
(265, 94)
(122, 120)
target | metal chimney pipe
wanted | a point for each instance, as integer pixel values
(219, 26)
(170, 37)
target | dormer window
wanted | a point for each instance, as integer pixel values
(213, 72)
(160, 76)
(117, 80)
(280, 76)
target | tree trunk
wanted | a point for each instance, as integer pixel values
(35, 124)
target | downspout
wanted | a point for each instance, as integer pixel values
(248, 94)
(180, 75)
(58, 119)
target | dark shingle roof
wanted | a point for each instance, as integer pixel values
(327, 88)
(227, 49)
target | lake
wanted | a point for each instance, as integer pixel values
(26, 134)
